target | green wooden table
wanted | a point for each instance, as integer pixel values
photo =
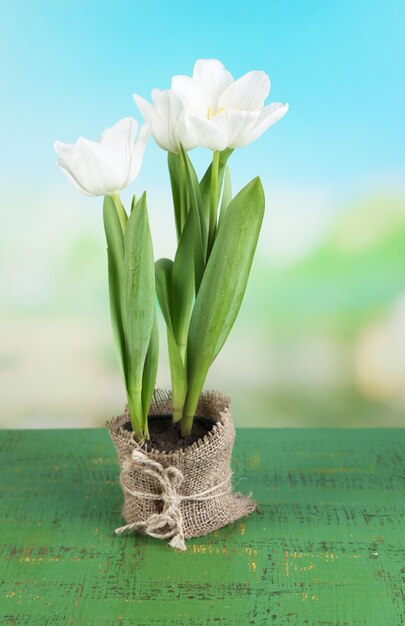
(328, 547)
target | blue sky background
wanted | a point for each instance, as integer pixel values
(69, 68)
(327, 285)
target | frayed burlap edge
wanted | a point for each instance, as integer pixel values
(185, 493)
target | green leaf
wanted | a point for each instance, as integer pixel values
(163, 272)
(115, 251)
(178, 376)
(163, 268)
(175, 181)
(139, 301)
(122, 215)
(226, 195)
(205, 184)
(182, 285)
(223, 286)
(200, 228)
(150, 372)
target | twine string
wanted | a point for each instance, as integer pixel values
(169, 522)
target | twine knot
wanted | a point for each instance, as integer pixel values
(169, 522)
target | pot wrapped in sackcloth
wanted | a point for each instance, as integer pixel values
(185, 493)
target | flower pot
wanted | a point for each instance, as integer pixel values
(184, 493)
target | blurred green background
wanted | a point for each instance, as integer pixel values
(320, 340)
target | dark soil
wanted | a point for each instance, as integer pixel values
(165, 436)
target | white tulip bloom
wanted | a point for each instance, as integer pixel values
(105, 166)
(221, 112)
(166, 118)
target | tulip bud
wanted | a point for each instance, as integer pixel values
(105, 166)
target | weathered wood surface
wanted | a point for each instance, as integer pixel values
(328, 548)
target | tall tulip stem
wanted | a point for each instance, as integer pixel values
(183, 194)
(136, 415)
(213, 198)
(123, 217)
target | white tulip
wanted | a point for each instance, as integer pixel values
(221, 112)
(105, 166)
(166, 118)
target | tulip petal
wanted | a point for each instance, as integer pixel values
(64, 151)
(127, 127)
(213, 78)
(119, 141)
(185, 139)
(71, 177)
(96, 165)
(146, 109)
(157, 94)
(164, 116)
(192, 95)
(68, 165)
(138, 150)
(152, 113)
(173, 118)
(236, 125)
(248, 93)
(268, 116)
(205, 133)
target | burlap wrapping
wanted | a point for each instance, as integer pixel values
(200, 499)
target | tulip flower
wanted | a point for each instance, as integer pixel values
(105, 166)
(200, 291)
(221, 112)
(166, 118)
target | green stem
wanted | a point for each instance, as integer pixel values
(176, 410)
(178, 395)
(183, 351)
(189, 409)
(123, 217)
(136, 414)
(178, 377)
(213, 199)
(186, 426)
(183, 194)
(179, 387)
(173, 160)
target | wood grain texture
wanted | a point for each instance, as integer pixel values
(327, 549)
